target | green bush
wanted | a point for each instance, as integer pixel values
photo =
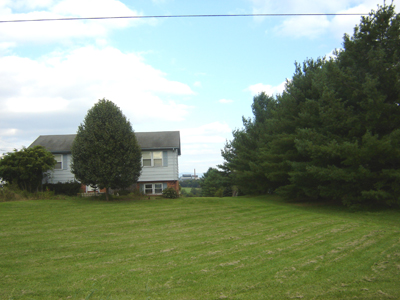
(219, 193)
(136, 193)
(71, 188)
(122, 192)
(11, 192)
(170, 193)
(7, 195)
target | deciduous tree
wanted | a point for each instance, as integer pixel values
(26, 167)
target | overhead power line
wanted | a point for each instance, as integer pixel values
(179, 16)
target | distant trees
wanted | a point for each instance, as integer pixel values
(105, 152)
(26, 167)
(190, 183)
(334, 133)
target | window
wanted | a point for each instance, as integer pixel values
(58, 158)
(146, 157)
(152, 159)
(157, 159)
(153, 188)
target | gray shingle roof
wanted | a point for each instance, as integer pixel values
(55, 143)
(160, 140)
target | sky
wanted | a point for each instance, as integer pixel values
(195, 75)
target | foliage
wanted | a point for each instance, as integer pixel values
(219, 193)
(26, 167)
(11, 192)
(190, 183)
(170, 193)
(71, 188)
(123, 192)
(6, 194)
(196, 192)
(184, 193)
(227, 192)
(191, 192)
(105, 152)
(334, 133)
(214, 180)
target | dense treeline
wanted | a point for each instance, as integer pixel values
(334, 133)
(190, 183)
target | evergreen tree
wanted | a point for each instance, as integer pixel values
(334, 132)
(354, 149)
(105, 152)
(212, 181)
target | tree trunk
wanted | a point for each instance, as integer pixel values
(107, 193)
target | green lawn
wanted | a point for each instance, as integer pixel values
(196, 248)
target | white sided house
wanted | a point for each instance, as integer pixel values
(160, 152)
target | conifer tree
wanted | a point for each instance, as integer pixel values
(335, 130)
(105, 152)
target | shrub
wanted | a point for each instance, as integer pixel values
(136, 193)
(122, 192)
(219, 193)
(170, 193)
(63, 188)
(7, 195)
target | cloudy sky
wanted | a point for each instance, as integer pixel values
(195, 75)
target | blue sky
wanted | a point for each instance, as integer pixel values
(195, 75)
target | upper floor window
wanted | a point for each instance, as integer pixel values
(152, 159)
(58, 158)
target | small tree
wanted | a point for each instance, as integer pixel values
(26, 167)
(105, 152)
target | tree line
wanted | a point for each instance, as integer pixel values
(334, 132)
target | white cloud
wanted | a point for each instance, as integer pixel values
(270, 90)
(74, 80)
(201, 146)
(310, 26)
(225, 101)
(346, 24)
(27, 4)
(8, 132)
(197, 84)
(63, 31)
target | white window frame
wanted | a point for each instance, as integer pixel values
(153, 187)
(153, 159)
(58, 161)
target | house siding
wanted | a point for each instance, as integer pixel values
(63, 175)
(168, 172)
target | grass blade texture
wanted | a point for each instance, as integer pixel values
(196, 248)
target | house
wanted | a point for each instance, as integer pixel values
(160, 152)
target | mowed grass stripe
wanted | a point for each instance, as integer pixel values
(195, 248)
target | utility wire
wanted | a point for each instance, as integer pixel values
(178, 16)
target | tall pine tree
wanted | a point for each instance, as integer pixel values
(335, 130)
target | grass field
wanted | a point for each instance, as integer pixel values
(188, 189)
(196, 248)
